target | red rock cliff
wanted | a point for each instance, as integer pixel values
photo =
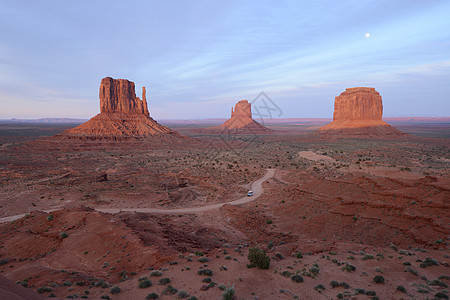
(359, 103)
(119, 96)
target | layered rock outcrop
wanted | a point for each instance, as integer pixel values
(358, 112)
(241, 122)
(122, 115)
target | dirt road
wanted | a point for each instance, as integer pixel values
(256, 187)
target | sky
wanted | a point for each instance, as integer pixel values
(198, 58)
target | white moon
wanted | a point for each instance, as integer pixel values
(367, 35)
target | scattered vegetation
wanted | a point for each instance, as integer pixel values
(258, 258)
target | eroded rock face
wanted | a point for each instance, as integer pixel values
(241, 122)
(119, 96)
(122, 115)
(358, 112)
(359, 103)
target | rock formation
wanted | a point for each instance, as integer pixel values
(241, 122)
(358, 112)
(122, 115)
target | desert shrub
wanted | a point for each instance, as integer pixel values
(104, 297)
(203, 260)
(192, 298)
(152, 296)
(183, 294)
(169, 290)
(207, 280)
(412, 271)
(368, 256)
(79, 283)
(63, 235)
(299, 254)
(441, 295)
(50, 217)
(314, 270)
(222, 287)
(258, 258)
(115, 290)
(198, 253)
(319, 288)
(205, 272)
(164, 280)
(360, 291)
(423, 291)
(428, 262)
(279, 255)
(334, 284)
(228, 257)
(228, 293)
(371, 293)
(286, 274)
(438, 282)
(401, 289)
(378, 279)
(348, 267)
(144, 283)
(344, 285)
(4, 261)
(44, 289)
(297, 278)
(156, 273)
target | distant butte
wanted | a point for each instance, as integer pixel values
(241, 122)
(122, 115)
(358, 112)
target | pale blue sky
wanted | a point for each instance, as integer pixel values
(198, 58)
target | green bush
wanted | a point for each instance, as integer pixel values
(44, 289)
(401, 289)
(334, 284)
(428, 262)
(63, 235)
(183, 294)
(169, 290)
(319, 288)
(258, 258)
(156, 273)
(115, 290)
(378, 279)
(144, 283)
(152, 296)
(164, 280)
(297, 278)
(203, 260)
(205, 272)
(228, 294)
(299, 254)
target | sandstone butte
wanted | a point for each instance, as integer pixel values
(122, 115)
(358, 112)
(241, 121)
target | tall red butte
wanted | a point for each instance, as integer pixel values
(122, 115)
(358, 112)
(241, 122)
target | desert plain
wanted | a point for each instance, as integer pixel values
(339, 218)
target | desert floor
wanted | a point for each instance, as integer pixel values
(356, 219)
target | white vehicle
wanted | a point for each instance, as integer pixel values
(250, 193)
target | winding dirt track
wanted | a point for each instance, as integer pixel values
(256, 187)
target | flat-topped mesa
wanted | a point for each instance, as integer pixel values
(359, 103)
(358, 113)
(119, 96)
